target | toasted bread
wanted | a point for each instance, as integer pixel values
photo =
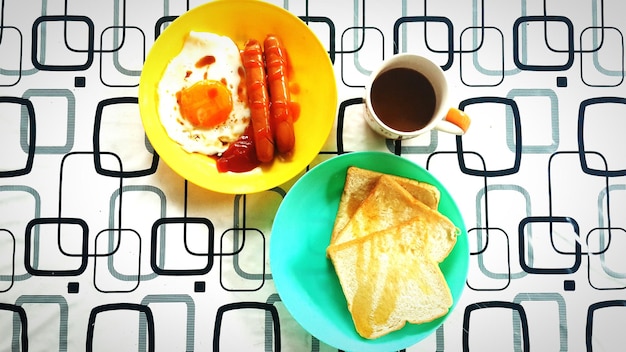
(389, 204)
(388, 279)
(360, 182)
(386, 246)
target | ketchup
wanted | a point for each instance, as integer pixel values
(240, 156)
(205, 61)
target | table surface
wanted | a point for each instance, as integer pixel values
(540, 178)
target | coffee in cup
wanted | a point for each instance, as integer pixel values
(408, 96)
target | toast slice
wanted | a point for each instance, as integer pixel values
(359, 184)
(389, 204)
(389, 279)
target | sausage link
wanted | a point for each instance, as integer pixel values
(277, 80)
(258, 100)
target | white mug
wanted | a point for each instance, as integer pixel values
(408, 96)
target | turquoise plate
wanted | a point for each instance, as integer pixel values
(305, 279)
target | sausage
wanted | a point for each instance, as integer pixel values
(258, 100)
(280, 114)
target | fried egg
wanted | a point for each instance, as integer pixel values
(202, 103)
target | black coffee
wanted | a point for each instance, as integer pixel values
(403, 99)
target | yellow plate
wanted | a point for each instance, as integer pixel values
(312, 72)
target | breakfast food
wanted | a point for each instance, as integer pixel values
(388, 204)
(386, 252)
(201, 102)
(232, 104)
(387, 281)
(360, 182)
(256, 83)
(282, 119)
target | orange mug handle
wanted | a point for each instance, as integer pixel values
(459, 118)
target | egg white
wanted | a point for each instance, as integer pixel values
(181, 72)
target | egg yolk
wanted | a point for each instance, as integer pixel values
(205, 104)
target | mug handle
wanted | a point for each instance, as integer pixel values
(456, 122)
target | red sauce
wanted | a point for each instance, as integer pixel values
(294, 108)
(294, 88)
(240, 156)
(205, 61)
(241, 88)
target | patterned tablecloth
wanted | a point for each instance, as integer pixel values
(540, 178)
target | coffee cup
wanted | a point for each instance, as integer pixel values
(407, 95)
